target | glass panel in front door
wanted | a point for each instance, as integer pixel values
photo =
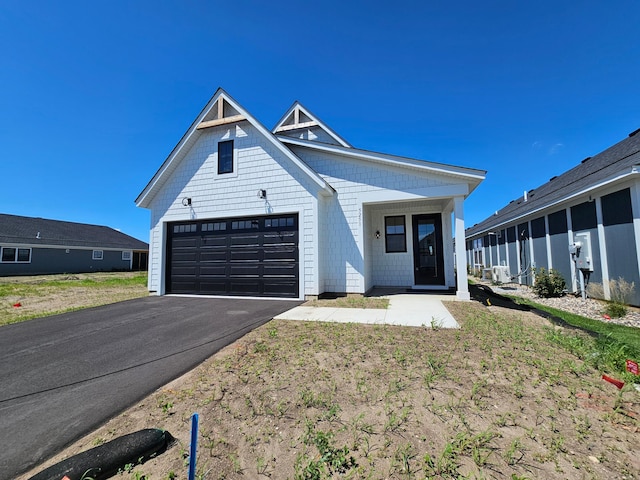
(427, 248)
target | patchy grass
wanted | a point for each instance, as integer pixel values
(498, 398)
(612, 343)
(350, 302)
(45, 295)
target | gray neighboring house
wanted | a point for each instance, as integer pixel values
(596, 203)
(34, 246)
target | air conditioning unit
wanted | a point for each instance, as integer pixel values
(500, 274)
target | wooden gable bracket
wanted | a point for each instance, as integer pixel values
(296, 122)
(221, 116)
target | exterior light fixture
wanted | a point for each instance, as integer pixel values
(262, 194)
(377, 234)
(186, 201)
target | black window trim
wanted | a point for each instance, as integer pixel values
(403, 235)
(229, 172)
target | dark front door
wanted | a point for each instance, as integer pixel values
(427, 249)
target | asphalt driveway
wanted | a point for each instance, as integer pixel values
(63, 376)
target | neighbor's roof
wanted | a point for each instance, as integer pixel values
(32, 231)
(608, 166)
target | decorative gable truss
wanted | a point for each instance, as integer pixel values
(298, 122)
(221, 113)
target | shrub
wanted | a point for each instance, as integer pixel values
(549, 283)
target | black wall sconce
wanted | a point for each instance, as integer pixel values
(262, 194)
(377, 234)
(186, 201)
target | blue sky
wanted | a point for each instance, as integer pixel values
(94, 95)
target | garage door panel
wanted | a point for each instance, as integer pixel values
(213, 287)
(242, 240)
(244, 254)
(281, 237)
(211, 257)
(217, 270)
(219, 241)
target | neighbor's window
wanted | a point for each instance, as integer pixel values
(97, 255)
(15, 255)
(126, 255)
(225, 157)
(395, 234)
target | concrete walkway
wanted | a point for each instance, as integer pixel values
(413, 310)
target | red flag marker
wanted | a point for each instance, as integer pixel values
(617, 383)
(633, 367)
(16, 305)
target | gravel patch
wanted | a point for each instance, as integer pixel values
(589, 307)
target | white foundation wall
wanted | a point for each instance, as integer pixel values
(259, 165)
(343, 242)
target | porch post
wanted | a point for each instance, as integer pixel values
(462, 292)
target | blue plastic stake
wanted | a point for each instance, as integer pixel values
(193, 447)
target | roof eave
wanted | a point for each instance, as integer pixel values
(476, 176)
(635, 170)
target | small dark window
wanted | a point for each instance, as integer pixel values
(24, 255)
(225, 157)
(395, 234)
(8, 254)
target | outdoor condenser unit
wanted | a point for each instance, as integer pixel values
(500, 274)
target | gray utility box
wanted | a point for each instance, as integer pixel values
(581, 252)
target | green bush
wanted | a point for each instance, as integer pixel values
(549, 283)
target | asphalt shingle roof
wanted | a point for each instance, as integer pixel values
(34, 231)
(616, 159)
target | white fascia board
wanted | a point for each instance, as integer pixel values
(474, 176)
(427, 193)
(635, 170)
(192, 133)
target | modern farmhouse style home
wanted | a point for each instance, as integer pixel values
(295, 212)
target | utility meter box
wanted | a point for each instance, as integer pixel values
(581, 251)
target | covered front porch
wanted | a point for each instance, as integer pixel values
(410, 244)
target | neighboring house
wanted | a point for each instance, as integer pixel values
(296, 212)
(34, 246)
(596, 203)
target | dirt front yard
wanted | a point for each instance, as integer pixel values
(498, 398)
(22, 298)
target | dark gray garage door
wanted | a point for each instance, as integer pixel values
(252, 256)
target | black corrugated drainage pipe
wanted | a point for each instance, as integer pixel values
(105, 460)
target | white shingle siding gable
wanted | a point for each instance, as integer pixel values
(259, 166)
(343, 245)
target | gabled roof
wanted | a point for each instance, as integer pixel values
(469, 175)
(298, 119)
(613, 164)
(32, 231)
(221, 109)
